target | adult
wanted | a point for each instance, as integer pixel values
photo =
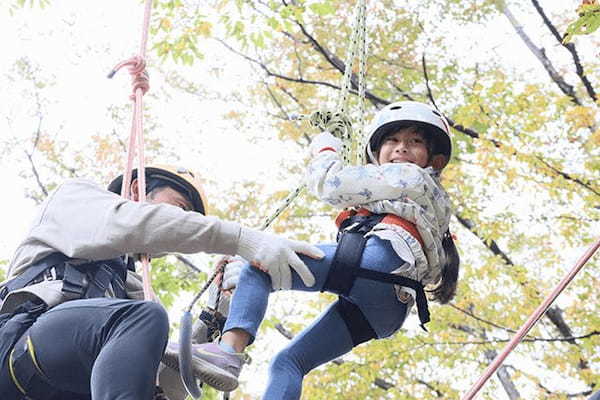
(72, 322)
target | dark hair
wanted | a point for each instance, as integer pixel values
(446, 289)
(153, 183)
(391, 128)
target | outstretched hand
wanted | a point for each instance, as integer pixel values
(277, 256)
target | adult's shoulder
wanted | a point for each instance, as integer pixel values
(81, 185)
(81, 182)
(79, 190)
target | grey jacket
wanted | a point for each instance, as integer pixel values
(88, 223)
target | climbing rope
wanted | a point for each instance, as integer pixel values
(356, 49)
(338, 124)
(140, 83)
(533, 319)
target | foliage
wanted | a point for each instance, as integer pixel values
(16, 4)
(512, 140)
(523, 177)
(587, 23)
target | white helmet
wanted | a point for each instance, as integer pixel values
(396, 115)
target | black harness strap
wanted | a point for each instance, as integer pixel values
(83, 281)
(93, 279)
(74, 281)
(345, 263)
(345, 268)
(32, 273)
(421, 300)
(358, 326)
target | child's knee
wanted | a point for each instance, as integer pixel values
(285, 363)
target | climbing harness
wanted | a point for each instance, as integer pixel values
(345, 268)
(83, 281)
(531, 321)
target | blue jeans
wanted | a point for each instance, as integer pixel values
(99, 349)
(327, 337)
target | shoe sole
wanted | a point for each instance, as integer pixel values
(212, 375)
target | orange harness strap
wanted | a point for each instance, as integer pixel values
(388, 219)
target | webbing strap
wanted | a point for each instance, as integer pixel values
(421, 300)
(31, 273)
(83, 281)
(74, 281)
(94, 279)
(356, 322)
(101, 282)
(345, 267)
(345, 262)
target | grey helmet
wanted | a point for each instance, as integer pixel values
(396, 115)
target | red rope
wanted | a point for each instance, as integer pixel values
(140, 85)
(537, 314)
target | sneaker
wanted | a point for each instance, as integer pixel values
(211, 364)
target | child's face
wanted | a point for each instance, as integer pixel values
(406, 145)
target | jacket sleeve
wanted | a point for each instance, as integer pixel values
(84, 221)
(346, 186)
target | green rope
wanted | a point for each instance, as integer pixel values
(338, 122)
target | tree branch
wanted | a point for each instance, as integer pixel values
(540, 54)
(586, 185)
(504, 376)
(340, 66)
(426, 75)
(29, 156)
(264, 67)
(188, 263)
(570, 47)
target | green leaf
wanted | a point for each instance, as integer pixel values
(322, 9)
(588, 22)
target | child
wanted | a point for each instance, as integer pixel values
(400, 216)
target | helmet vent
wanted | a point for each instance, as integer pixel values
(395, 108)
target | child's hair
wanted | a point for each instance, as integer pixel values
(446, 289)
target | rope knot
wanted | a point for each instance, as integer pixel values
(136, 66)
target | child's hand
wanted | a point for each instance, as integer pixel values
(324, 141)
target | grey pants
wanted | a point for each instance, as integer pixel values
(100, 349)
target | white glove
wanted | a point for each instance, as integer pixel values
(275, 255)
(324, 140)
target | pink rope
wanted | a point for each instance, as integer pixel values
(537, 314)
(140, 85)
